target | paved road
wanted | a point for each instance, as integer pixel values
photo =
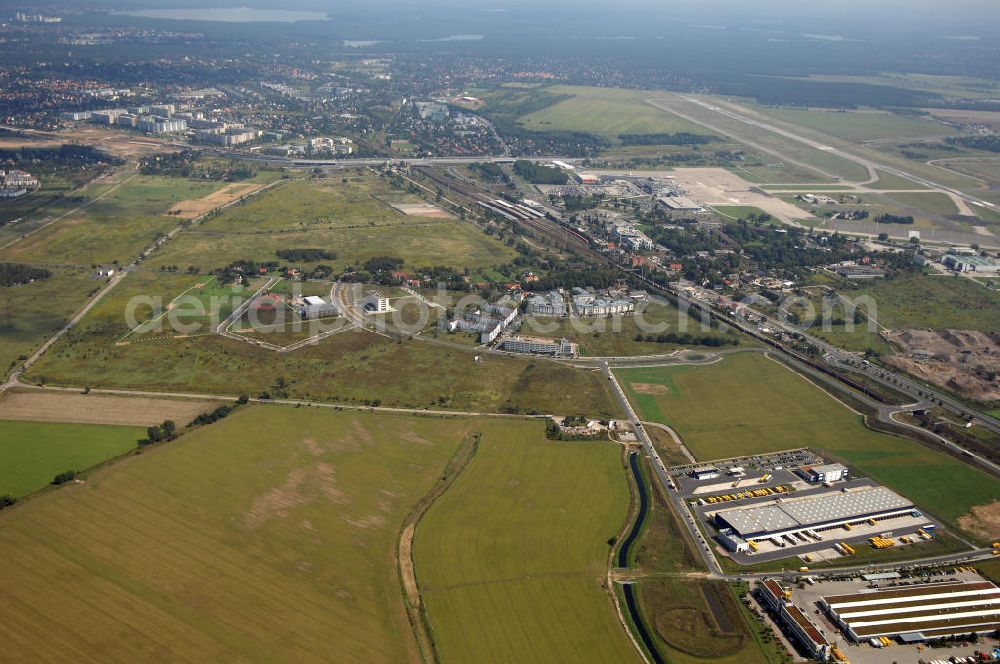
(12, 380)
(661, 475)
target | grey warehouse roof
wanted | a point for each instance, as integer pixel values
(813, 510)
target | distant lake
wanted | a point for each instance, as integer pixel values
(452, 38)
(229, 14)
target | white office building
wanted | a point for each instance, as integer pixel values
(540, 346)
(376, 303)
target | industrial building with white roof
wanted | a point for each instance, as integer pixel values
(919, 612)
(817, 511)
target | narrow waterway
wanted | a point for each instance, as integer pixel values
(640, 518)
(628, 589)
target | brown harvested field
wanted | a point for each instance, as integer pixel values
(99, 409)
(422, 210)
(199, 206)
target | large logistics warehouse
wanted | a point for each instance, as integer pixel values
(917, 613)
(815, 512)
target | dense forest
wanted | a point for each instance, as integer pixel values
(679, 138)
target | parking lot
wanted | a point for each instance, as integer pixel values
(775, 480)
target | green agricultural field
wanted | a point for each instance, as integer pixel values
(354, 366)
(269, 536)
(616, 336)
(120, 220)
(351, 219)
(861, 126)
(750, 404)
(32, 453)
(606, 112)
(32, 312)
(510, 567)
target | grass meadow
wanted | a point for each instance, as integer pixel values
(347, 216)
(116, 227)
(750, 404)
(931, 301)
(353, 366)
(605, 112)
(32, 453)
(32, 312)
(863, 125)
(269, 536)
(511, 559)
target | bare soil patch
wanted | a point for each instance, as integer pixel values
(964, 361)
(983, 520)
(422, 210)
(649, 388)
(302, 486)
(116, 143)
(199, 206)
(99, 409)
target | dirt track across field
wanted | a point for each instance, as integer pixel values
(99, 409)
(199, 206)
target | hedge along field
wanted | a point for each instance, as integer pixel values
(268, 536)
(750, 404)
(32, 453)
(510, 560)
